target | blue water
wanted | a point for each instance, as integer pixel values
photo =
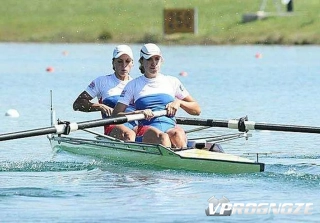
(39, 185)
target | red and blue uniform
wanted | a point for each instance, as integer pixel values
(155, 94)
(107, 89)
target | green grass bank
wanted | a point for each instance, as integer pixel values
(139, 21)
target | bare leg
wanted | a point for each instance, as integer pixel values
(153, 135)
(178, 137)
(123, 133)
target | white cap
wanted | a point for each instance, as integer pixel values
(122, 49)
(148, 50)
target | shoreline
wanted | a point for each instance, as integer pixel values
(219, 22)
(203, 42)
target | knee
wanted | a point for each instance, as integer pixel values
(130, 135)
(177, 133)
(163, 136)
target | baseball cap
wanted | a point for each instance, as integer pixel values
(122, 49)
(148, 50)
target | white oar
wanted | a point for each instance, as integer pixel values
(244, 125)
(67, 127)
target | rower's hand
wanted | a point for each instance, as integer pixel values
(173, 107)
(148, 114)
(105, 109)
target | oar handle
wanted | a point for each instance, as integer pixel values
(115, 120)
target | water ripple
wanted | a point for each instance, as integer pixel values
(31, 192)
(46, 166)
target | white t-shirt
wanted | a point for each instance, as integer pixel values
(155, 94)
(107, 89)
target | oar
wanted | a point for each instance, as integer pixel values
(67, 127)
(243, 125)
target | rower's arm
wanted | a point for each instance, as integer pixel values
(190, 105)
(83, 103)
(120, 108)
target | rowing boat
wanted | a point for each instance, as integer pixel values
(203, 155)
(189, 159)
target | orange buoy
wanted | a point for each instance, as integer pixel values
(183, 74)
(258, 55)
(50, 69)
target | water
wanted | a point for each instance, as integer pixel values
(38, 185)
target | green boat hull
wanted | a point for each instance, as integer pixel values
(156, 155)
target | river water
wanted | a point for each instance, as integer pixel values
(273, 84)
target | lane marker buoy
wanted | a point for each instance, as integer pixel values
(258, 55)
(183, 74)
(50, 69)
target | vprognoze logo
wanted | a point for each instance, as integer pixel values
(218, 207)
(223, 207)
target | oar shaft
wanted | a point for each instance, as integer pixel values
(202, 122)
(101, 122)
(287, 128)
(28, 133)
(116, 120)
(63, 128)
(249, 125)
(66, 127)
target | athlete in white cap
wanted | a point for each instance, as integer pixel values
(107, 89)
(154, 91)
